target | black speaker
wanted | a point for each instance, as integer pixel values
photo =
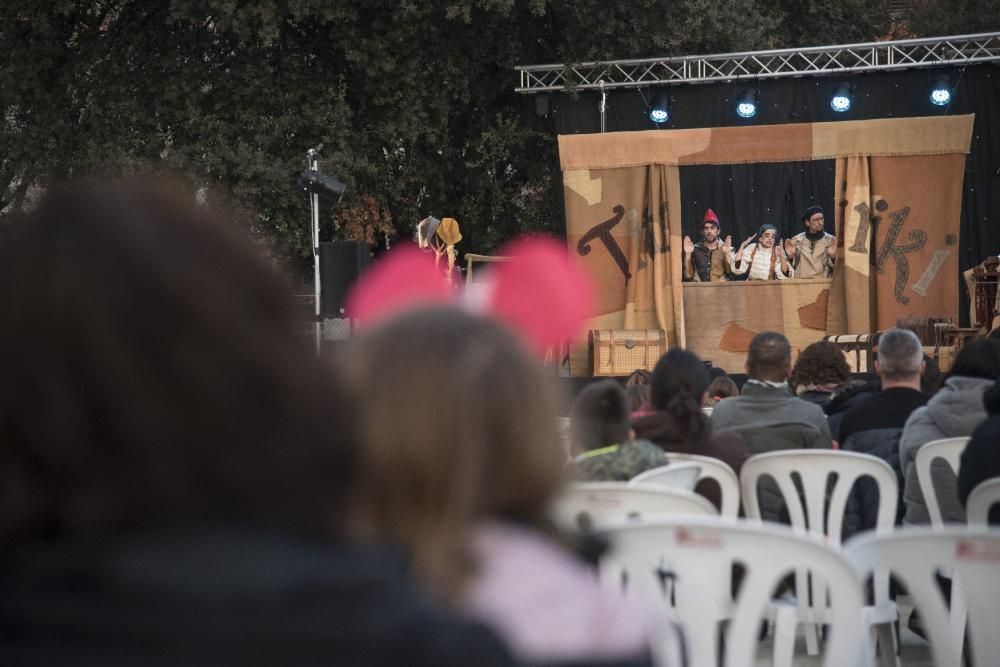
(341, 263)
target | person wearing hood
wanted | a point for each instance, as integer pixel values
(678, 387)
(955, 411)
(813, 252)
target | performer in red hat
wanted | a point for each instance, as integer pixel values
(708, 261)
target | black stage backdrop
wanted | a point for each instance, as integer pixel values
(745, 196)
(743, 202)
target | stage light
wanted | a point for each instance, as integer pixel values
(746, 104)
(842, 98)
(327, 187)
(659, 110)
(941, 92)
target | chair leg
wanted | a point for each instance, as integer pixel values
(785, 621)
(888, 644)
(812, 639)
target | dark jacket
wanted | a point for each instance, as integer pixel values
(862, 505)
(845, 399)
(224, 598)
(981, 461)
(663, 430)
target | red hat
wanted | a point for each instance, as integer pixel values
(710, 216)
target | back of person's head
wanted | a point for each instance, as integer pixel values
(900, 355)
(154, 374)
(932, 378)
(991, 400)
(638, 396)
(769, 357)
(599, 416)
(679, 382)
(456, 423)
(821, 363)
(639, 376)
(977, 359)
(720, 388)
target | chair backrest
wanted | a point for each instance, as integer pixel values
(982, 498)
(915, 556)
(949, 449)
(818, 503)
(589, 505)
(718, 470)
(826, 479)
(672, 476)
(698, 555)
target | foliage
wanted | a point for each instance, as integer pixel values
(413, 100)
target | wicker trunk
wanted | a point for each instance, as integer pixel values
(621, 351)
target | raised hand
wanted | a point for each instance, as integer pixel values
(831, 249)
(688, 245)
(727, 245)
(789, 247)
(747, 242)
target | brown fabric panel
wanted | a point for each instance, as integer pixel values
(722, 317)
(853, 286)
(936, 135)
(917, 201)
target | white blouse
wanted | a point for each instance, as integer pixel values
(761, 266)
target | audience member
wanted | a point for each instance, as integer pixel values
(718, 389)
(875, 425)
(955, 411)
(460, 478)
(849, 394)
(932, 378)
(820, 369)
(981, 458)
(766, 413)
(678, 424)
(637, 389)
(173, 467)
(601, 434)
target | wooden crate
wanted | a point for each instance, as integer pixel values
(621, 351)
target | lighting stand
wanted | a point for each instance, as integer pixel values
(313, 160)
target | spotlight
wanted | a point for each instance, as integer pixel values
(746, 104)
(659, 111)
(327, 187)
(842, 98)
(941, 92)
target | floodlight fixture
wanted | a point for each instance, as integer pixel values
(941, 92)
(842, 98)
(327, 187)
(659, 110)
(746, 104)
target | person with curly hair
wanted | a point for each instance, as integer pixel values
(820, 369)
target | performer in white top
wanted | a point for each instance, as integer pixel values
(765, 259)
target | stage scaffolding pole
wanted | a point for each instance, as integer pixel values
(312, 159)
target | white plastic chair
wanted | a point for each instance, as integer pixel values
(672, 476)
(915, 555)
(949, 449)
(981, 500)
(827, 478)
(724, 476)
(589, 505)
(698, 555)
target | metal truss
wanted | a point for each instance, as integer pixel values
(843, 59)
